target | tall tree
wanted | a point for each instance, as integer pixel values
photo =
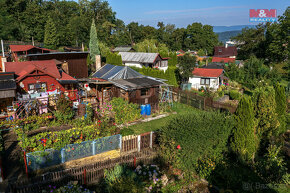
(244, 141)
(50, 36)
(94, 45)
(186, 66)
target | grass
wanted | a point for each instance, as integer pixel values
(157, 124)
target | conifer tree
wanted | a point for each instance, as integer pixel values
(94, 44)
(265, 113)
(243, 142)
(50, 35)
(281, 107)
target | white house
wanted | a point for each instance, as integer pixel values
(204, 77)
(140, 59)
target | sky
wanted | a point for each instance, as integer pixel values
(184, 12)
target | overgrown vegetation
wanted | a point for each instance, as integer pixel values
(199, 135)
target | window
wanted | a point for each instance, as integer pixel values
(204, 81)
(37, 87)
(144, 91)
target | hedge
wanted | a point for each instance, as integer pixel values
(168, 75)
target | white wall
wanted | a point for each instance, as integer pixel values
(138, 65)
(195, 83)
(163, 68)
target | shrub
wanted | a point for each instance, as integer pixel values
(124, 111)
(234, 95)
(272, 166)
(198, 135)
(281, 107)
(243, 141)
(122, 179)
(64, 111)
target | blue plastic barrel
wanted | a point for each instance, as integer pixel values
(148, 109)
(143, 109)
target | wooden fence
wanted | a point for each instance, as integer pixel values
(133, 143)
(203, 103)
(85, 175)
(135, 147)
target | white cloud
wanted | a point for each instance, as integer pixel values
(192, 10)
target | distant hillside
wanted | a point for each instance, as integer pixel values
(231, 28)
(227, 35)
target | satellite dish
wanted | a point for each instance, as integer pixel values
(21, 85)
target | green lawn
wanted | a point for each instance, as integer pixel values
(156, 124)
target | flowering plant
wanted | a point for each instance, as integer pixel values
(152, 175)
(68, 188)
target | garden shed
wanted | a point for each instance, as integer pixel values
(122, 81)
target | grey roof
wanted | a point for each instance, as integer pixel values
(112, 72)
(125, 77)
(7, 81)
(140, 57)
(136, 83)
(123, 49)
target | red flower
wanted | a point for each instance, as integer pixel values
(72, 148)
(178, 147)
(114, 124)
(99, 121)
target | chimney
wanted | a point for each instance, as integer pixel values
(226, 45)
(98, 62)
(3, 60)
(64, 67)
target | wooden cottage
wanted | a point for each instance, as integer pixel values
(122, 81)
(140, 59)
(36, 77)
(75, 63)
(19, 52)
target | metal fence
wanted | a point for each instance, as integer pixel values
(51, 157)
(42, 159)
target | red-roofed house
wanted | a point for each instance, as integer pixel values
(19, 51)
(204, 77)
(223, 60)
(225, 51)
(42, 76)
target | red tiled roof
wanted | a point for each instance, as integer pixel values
(221, 51)
(205, 72)
(19, 48)
(65, 76)
(224, 60)
(22, 69)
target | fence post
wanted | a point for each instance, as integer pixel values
(62, 155)
(25, 162)
(94, 147)
(121, 138)
(139, 142)
(151, 139)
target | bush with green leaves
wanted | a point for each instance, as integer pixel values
(265, 113)
(281, 107)
(234, 95)
(124, 111)
(64, 109)
(272, 166)
(122, 179)
(197, 135)
(244, 140)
